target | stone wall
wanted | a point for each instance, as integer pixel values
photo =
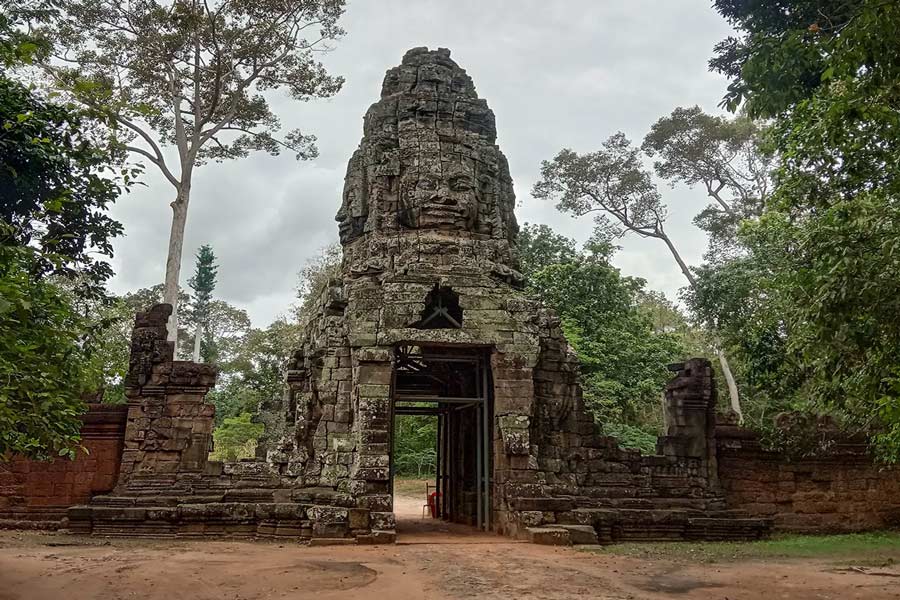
(169, 428)
(842, 491)
(586, 488)
(36, 494)
(427, 227)
(167, 486)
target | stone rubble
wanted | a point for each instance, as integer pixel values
(427, 212)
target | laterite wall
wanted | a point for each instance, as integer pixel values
(36, 494)
(845, 491)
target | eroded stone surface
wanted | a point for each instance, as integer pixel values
(426, 219)
(427, 209)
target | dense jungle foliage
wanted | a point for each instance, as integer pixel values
(796, 298)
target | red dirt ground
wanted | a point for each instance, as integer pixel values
(431, 560)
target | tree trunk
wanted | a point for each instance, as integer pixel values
(732, 386)
(726, 369)
(173, 260)
(681, 264)
(197, 334)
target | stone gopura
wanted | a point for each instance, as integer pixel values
(430, 275)
(427, 316)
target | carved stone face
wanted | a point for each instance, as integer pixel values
(428, 159)
(439, 201)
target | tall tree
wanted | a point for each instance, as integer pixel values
(826, 73)
(191, 74)
(203, 283)
(55, 185)
(613, 184)
(727, 157)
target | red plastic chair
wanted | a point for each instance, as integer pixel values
(430, 501)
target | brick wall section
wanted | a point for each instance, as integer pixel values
(169, 424)
(845, 491)
(36, 494)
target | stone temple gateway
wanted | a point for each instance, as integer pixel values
(428, 316)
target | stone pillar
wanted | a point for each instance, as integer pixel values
(690, 416)
(169, 426)
(370, 473)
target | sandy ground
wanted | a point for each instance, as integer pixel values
(431, 560)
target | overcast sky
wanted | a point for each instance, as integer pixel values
(557, 73)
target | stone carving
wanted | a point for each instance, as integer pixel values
(428, 159)
(149, 346)
(428, 234)
(429, 280)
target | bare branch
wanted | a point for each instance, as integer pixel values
(161, 165)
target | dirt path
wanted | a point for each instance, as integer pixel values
(432, 560)
(54, 567)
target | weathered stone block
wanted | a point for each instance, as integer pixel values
(548, 536)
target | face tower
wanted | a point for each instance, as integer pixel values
(427, 316)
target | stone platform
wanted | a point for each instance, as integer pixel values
(429, 281)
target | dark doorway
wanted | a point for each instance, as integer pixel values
(452, 384)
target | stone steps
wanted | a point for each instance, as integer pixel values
(610, 525)
(191, 517)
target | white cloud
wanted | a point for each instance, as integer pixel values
(557, 74)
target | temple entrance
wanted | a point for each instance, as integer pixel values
(452, 385)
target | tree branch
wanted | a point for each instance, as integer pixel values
(162, 167)
(715, 193)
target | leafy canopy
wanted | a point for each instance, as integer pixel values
(623, 357)
(56, 185)
(196, 72)
(729, 158)
(826, 73)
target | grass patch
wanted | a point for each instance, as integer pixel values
(875, 548)
(412, 486)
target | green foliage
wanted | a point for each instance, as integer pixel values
(788, 52)
(737, 296)
(41, 362)
(802, 434)
(56, 185)
(203, 283)
(110, 348)
(255, 373)
(18, 46)
(314, 277)
(539, 246)
(611, 183)
(224, 333)
(143, 299)
(415, 445)
(872, 548)
(195, 72)
(729, 158)
(887, 440)
(236, 438)
(633, 436)
(226, 325)
(623, 357)
(826, 247)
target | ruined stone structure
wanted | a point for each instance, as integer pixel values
(428, 316)
(429, 278)
(37, 495)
